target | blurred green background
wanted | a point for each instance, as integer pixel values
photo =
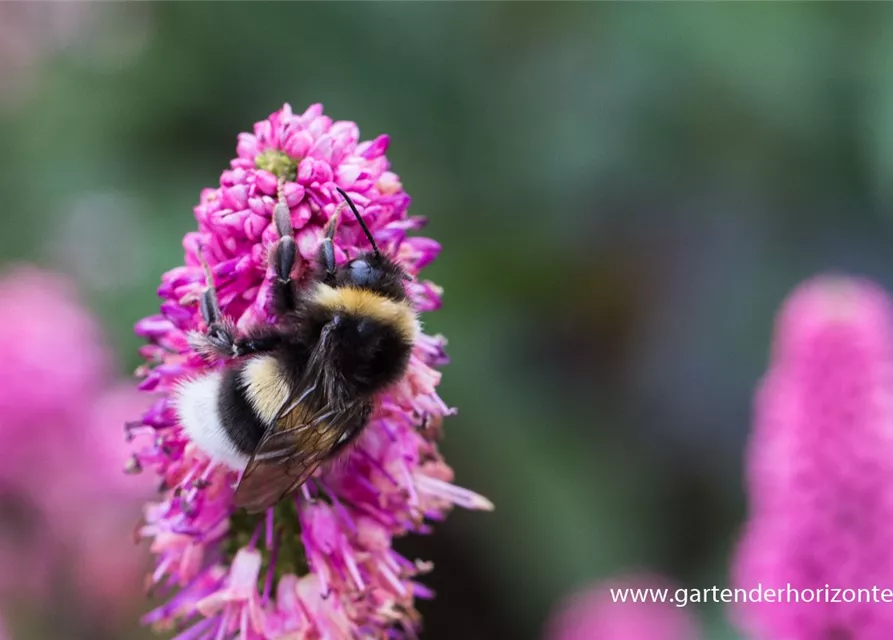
(624, 193)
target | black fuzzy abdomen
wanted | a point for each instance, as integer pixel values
(238, 418)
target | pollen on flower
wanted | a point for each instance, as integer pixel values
(279, 163)
(319, 564)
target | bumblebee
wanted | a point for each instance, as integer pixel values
(296, 393)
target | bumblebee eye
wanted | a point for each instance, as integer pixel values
(360, 272)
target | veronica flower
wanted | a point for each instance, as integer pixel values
(61, 484)
(320, 564)
(53, 364)
(104, 563)
(820, 467)
(53, 359)
(595, 614)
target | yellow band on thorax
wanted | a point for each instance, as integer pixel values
(362, 302)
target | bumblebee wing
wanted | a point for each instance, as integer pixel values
(291, 451)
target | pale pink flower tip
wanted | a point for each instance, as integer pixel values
(820, 465)
(593, 614)
(320, 565)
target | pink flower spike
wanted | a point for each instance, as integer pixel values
(598, 613)
(319, 564)
(819, 468)
(56, 371)
(68, 509)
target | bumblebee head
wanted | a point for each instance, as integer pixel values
(371, 271)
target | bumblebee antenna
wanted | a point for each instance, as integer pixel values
(356, 215)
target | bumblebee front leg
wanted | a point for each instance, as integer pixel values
(221, 339)
(326, 256)
(282, 258)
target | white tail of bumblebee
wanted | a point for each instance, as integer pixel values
(197, 403)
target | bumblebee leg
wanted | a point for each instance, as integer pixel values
(221, 339)
(220, 336)
(258, 341)
(282, 258)
(326, 255)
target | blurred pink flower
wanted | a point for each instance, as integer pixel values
(52, 365)
(593, 614)
(52, 353)
(820, 465)
(322, 564)
(30, 551)
(61, 484)
(107, 564)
